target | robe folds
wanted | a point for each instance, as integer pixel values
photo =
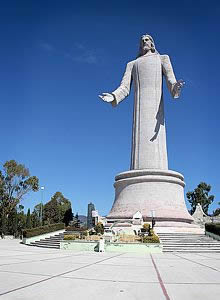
(149, 149)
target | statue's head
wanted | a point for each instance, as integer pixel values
(146, 44)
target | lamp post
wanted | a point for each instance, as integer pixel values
(41, 205)
(153, 216)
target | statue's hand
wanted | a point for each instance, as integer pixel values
(107, 97)
(179, 84)
(177, 88)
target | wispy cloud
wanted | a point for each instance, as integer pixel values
(79, 53)
(80, 46)
(87, 57)
(46, 46)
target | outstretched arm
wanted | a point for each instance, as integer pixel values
(173, 85)
(122, 91)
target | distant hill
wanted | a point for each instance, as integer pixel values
(83, 218)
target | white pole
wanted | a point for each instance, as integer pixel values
(41, 206)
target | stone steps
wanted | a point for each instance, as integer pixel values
(191, 244)
(47, 242)
(51, 242)
(192, 250)
(47, 246)
(188, 242)
(53, 238)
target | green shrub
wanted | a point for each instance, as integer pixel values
(151, 239)
(99, 228)
(151, 232)
(72, 228)
(85, 233)
(68, 237)
(213, 228)
(146, 226)
(27, 233)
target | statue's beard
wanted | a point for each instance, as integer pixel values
(146, 49)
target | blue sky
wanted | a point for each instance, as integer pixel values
(57, 56)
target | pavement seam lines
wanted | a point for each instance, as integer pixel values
(81, 278)
(55, 276)
(28, 261)
(207, 256)
(143, 282)
(110, 280)
(24, 273)
(195, 262)
(160, 279)
(48, 275)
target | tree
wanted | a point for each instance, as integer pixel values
(99, 228)
(55, 209)
(77, 221)
(51, 212)
(63, 203)
(200, 195)
(216, 212)
(36, 215)
(21, 219)
(2, 214)
(15, 182)
(28, 220)
(12, 222)
(68, 216)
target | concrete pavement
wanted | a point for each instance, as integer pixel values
(30, 273)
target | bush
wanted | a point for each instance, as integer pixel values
(213, 228)
(151, 232)
(69, 237)
(151, 239)
(92, 238)
(72, 228)
(84, 233)
(146, 226)
(99, 228)
(27, 233)
(146, 229)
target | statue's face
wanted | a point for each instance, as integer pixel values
(146, 43)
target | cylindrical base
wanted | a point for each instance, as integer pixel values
(147, 190)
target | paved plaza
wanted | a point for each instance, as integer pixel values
(31, 273)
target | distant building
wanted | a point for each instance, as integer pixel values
(95, 217)
(91, 207)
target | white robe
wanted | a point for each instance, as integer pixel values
(149, 134)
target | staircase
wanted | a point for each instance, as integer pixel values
(188, 242)
(51, 242)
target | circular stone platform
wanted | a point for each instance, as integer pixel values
(147, 190)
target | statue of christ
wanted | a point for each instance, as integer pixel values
(149, 135)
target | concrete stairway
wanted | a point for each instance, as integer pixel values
(188, 242)
(51, 242)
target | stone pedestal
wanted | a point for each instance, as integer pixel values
(149, 190)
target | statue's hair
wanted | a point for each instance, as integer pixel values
(153, 49)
